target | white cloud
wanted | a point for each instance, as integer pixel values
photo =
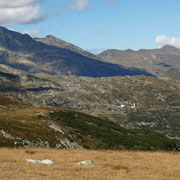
(162, 40)
(14, 12)
(32, 32)
(16, 3)
(79, 5)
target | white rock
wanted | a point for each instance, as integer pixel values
(31, 160)
(87, 163)
(46, 161)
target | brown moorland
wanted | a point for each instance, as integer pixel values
(108, 165)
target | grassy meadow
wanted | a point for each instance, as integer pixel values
(108, 165)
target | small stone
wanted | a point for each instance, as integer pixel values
(42, 114)
(87, 163)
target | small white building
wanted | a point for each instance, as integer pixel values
(123, 106)
(133, 106)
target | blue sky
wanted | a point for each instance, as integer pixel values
(96, 25)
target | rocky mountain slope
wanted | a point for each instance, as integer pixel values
(23, 125)
(22, 52)
(155, 61)
(51, 40)
(141, 102)
(172, 76)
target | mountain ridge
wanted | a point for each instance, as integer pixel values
(23, 52)
(51, 40)
(155, 61)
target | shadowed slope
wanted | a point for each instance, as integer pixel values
(22, 52)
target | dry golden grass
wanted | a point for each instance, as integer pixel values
(108, 165)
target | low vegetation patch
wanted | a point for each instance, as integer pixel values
(107, 135)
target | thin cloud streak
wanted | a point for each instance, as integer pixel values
(79, 5)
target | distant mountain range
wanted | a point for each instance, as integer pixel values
(155, 61)
(22, 52)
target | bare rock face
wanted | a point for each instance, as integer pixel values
(61, 143)
(66, 144)
(6, 134)
(31, 144)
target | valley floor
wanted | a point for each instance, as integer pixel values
(108, 165)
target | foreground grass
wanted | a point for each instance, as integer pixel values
(108, 165)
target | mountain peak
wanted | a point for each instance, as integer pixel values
(1, 27)
(15, 41)
(169, 47)
(50, 37)
(54, 41)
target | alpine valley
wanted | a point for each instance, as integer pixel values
(56, 95)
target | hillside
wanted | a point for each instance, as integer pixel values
(172, 76)
(133, 102)
(24, 125)
(155, 61)
(22, 52)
